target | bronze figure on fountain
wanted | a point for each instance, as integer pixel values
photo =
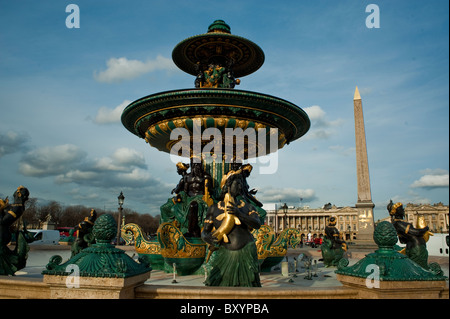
(227, 230)
(333, 246)
(188, 208)
(415, 238)
(13, 260)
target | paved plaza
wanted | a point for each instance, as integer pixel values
(317, 276)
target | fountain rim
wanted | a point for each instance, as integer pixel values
(131, 122)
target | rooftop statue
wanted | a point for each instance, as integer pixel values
(13, 260)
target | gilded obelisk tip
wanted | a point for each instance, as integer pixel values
(357, 96)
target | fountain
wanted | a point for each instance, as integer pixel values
(216, 128)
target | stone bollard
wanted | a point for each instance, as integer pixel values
(285, 268)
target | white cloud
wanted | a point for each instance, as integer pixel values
(48, 161)
(288, 195)
(69, 164)
(129, 157)
(321, 127)
(11, 142)
(432, 181)
(135, 177)
(77, 176)
(315, 113)
(125, 168)
(106, 115)
(119, 69)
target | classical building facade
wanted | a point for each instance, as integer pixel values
(436, 216)
(314, 220)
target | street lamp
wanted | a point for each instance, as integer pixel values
(119, 226)
(276, 219)
(285, 209)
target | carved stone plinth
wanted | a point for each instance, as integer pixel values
(395, 289)
(66, 287)
(97, 272)
(389, 274)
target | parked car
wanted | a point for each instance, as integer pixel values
(314, 242)
(45, 237)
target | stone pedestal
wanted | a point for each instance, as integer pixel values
(66, 287)
(368, 289)
(388, 274)
(365, 222)
(99, 271)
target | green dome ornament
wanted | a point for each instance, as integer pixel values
(218, 45)
(219, 26)
(389, 264)
(385, 236)
(101, 259)
(104, 229)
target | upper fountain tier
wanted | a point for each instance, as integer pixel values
(218, 50)
(215, 58)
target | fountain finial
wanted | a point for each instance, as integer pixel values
(219, 26)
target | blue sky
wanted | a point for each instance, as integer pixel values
(62, 92)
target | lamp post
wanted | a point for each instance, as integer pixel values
(119, 218)
(285, 209)
(276, 220)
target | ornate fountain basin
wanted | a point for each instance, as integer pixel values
(272, 249)
(154, 117)
(147, 248)
(187, 253)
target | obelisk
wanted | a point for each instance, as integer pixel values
(364, 204)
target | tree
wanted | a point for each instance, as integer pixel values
(54, 209)
(30, 215)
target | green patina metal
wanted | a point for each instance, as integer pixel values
(215, 58)
(100, 259)
(187, 253)
(147, 248)
(392, 266)
(154, 117)
(272, 249)
(218, 42)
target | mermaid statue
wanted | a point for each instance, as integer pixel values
(415, 238)
(227, 230)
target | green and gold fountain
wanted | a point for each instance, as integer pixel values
(216, 128)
